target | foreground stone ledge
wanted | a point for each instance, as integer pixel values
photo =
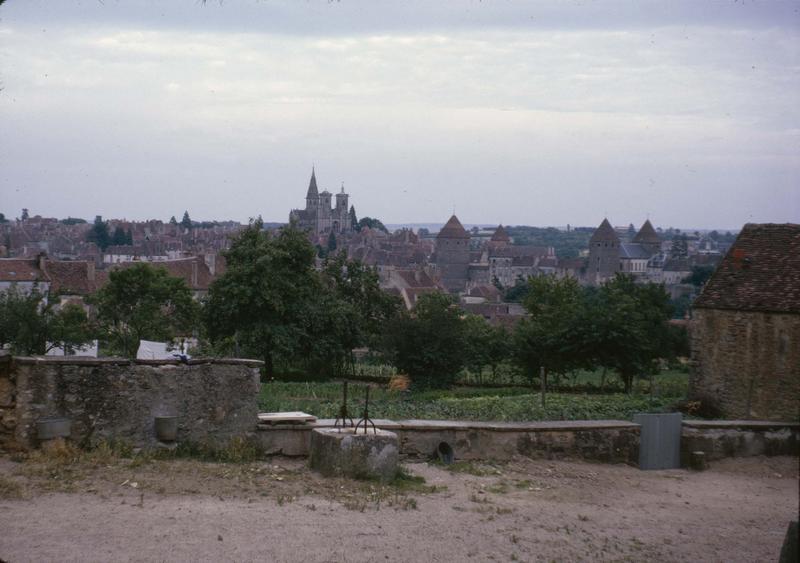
(338, 452)
(615, 441)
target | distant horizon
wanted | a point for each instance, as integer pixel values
(432, 226)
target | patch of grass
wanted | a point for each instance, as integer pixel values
(10, 489)
(472, 468)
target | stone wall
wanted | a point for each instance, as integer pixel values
(597, 440)
(719, 439)
(748, 361)
(117, 399)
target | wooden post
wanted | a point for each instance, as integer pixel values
(544, 384)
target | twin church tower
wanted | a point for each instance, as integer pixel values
(319, 217)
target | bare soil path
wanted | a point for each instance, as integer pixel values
(526, 510)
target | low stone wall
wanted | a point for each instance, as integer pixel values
(117, 399)
(598, 440)
(738, 438)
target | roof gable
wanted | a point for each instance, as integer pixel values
(453, 229)
(760, 272)
(605, 232)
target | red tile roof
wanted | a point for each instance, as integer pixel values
(15, 270)
(760, 272)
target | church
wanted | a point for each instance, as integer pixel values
(320, 217)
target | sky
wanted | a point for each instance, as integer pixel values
(540, 113)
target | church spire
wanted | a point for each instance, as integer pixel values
(312, 186)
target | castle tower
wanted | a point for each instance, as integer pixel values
(452, 255)
(604, 254)
(648, 238)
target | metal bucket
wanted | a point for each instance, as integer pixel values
(166, 428)
(53, 427)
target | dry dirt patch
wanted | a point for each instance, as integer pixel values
(105, 508)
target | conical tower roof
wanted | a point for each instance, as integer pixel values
(500, 235)
(453, 229)
(312, 186)
(604, 233)
(647, 234)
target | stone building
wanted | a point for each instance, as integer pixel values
(608, 254)
(745, 331)
(452, 256)
(604, 253)
(320, 217)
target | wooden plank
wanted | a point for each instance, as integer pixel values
(284, 417)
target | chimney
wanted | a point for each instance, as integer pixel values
(42, 262)
(194, 273)
(90, 271)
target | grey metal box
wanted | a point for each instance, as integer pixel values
(660, 440)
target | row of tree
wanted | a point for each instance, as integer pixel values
(273, 304)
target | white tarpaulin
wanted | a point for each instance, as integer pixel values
(153, 351)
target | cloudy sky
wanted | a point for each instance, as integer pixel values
(536, 113)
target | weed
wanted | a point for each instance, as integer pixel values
(9, 489)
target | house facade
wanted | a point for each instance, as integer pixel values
(745, 330)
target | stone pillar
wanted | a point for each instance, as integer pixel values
(369, 455)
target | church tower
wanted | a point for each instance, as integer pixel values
(604, 253)
(452, 255)
(312, 196)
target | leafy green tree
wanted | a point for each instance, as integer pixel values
(24, 320)
(268, 298)
(71, 328)
(98, 234)
(428, 343)
(3, 218)
(186, 222)
(547, 339)
(517, 292)
(173, 221)
(371, 223)
(119, 237)
(353, 219)
(331, 242)
(485, 345)
(699, 275)
(73, 221)
(143, 302)
(636, 318)
(680, 247)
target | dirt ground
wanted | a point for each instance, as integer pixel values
(105, 508)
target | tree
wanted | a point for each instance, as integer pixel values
(24, 319)
(25, 215)
(267, 299)
(173, 221)
(353, 219)
(186, 223)
(144, 302)
(119, 238)
(98, 234)
(428, 343)
(372, 224)
(635, 317)
(3, 218)
(71, 328)
(485, 345)
(680, 247)
(699, 275)
(546, 340)
(331, 242)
